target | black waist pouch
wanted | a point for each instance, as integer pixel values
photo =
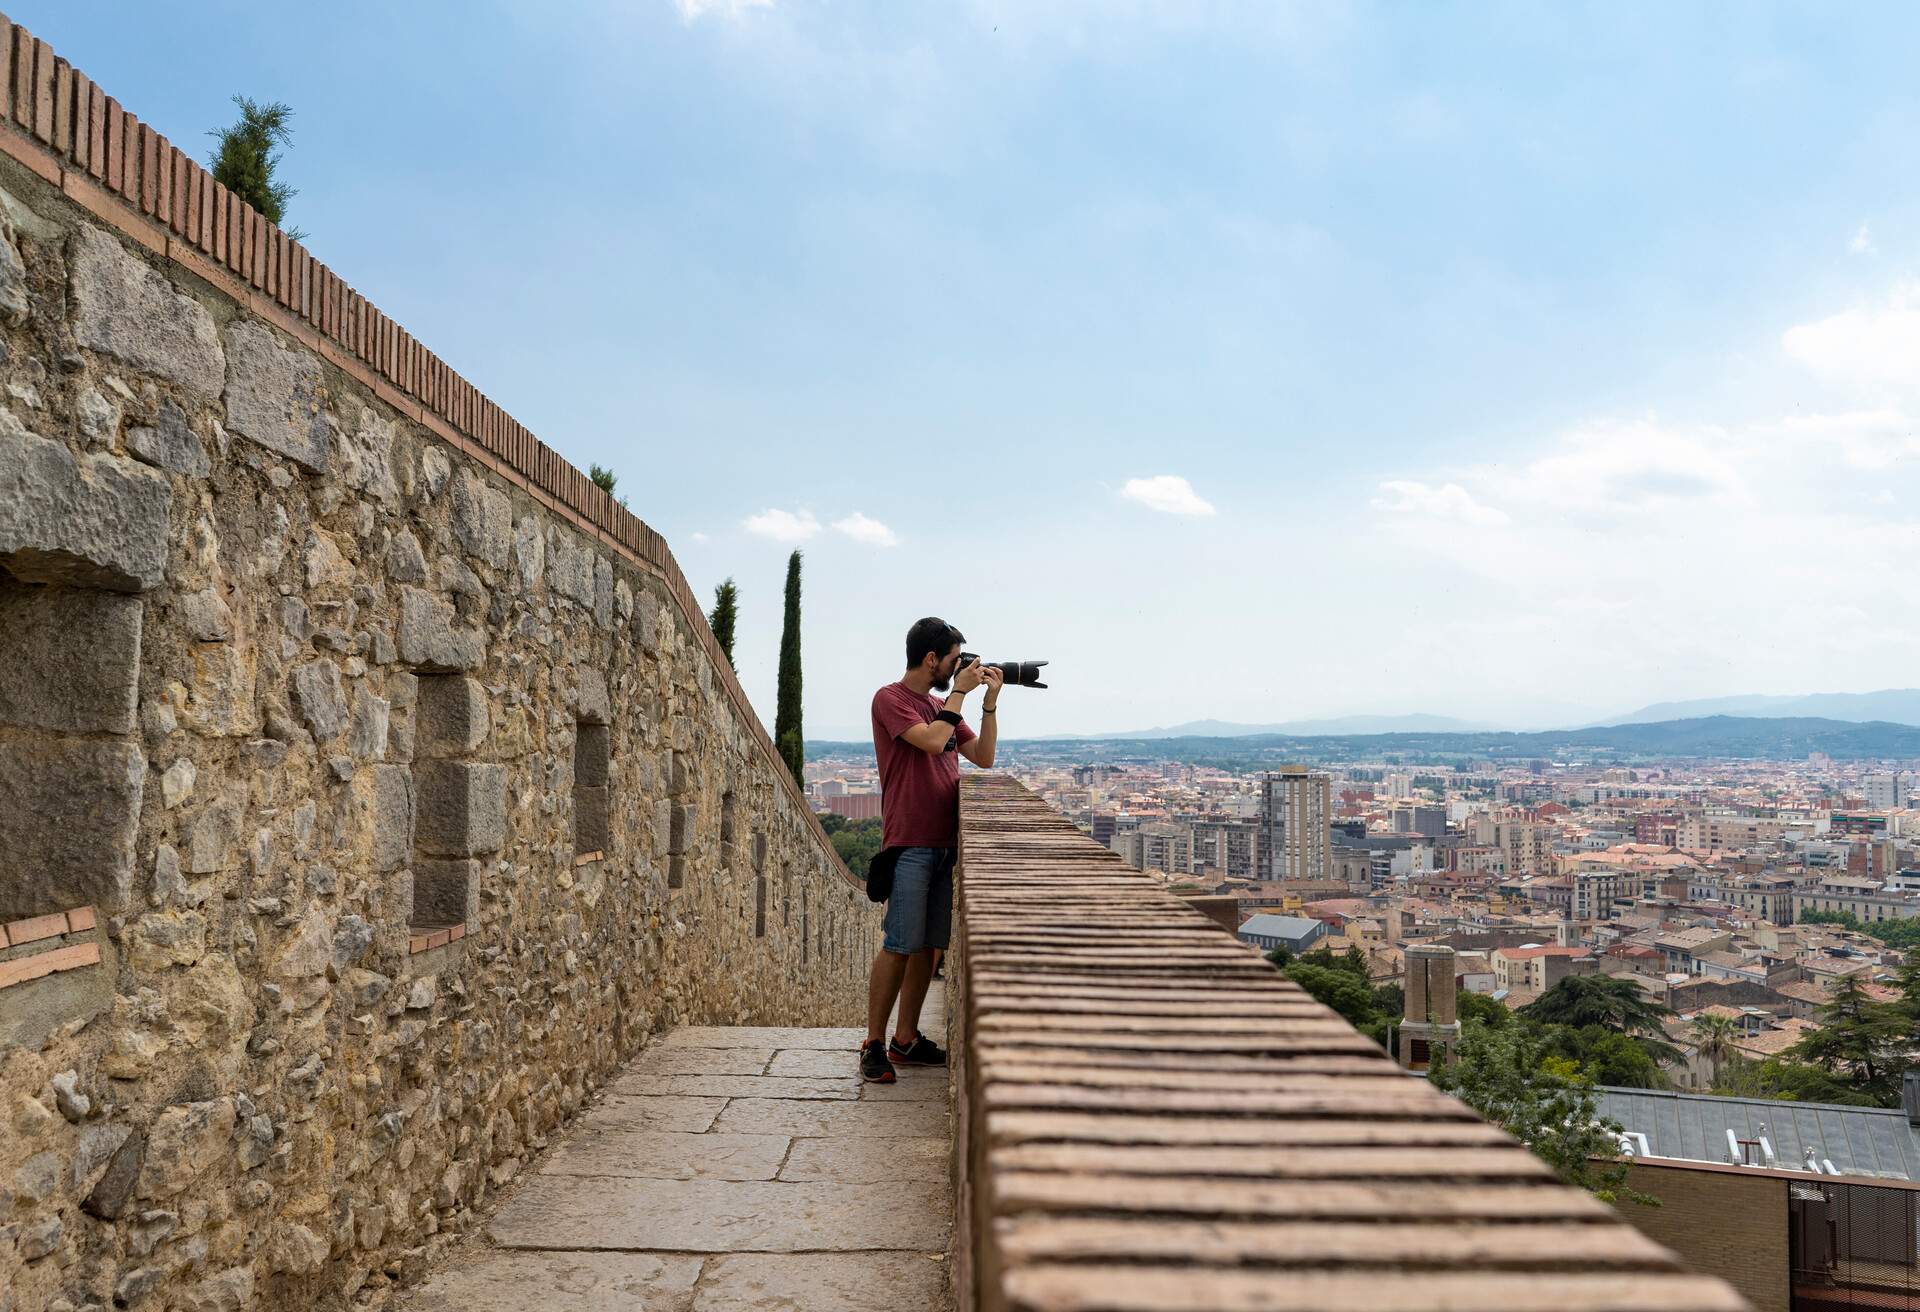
(880, 873)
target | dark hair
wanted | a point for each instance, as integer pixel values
(930, 635)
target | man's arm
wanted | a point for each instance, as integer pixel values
(979, 749)
(933, 738)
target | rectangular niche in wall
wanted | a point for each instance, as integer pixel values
(71, 772)
(759, 885)
(460, 808)
(592, 824)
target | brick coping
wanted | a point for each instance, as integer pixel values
(50, 956)
(60, 124)
(1151, 1117)
(425, 939)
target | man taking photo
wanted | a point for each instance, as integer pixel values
(918, 740)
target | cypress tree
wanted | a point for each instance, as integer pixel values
(788, 739)
(244, 160)
(726, 598)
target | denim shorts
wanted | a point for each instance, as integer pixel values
(920, 908)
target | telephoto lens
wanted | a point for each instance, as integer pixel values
(1021, 674)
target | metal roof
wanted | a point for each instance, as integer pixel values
(1273, 926)
(1872, 1141)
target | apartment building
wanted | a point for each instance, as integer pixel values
(1296, 810)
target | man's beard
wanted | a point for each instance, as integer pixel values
(942, 684)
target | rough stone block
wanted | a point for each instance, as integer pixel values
(170, 443)
(123, 307)
(69, 659)
(392, 815)
(482, 519)
(592, 829)
(96, 522)
(460, 807)
(662, 826)
(184, 1141)
(316, 691)
(220, 700)
(206, 615)
(570, 568)
(273, 396)
(69, 810)
(406, 560)
(372, 717)
(529, 553)
(445, 892)
(213, 841)
(450, 715)
(590, 697)
(428, 639)
(602, 592)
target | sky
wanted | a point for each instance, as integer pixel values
(1260, 361)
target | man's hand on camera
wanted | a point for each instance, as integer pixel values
(967, 678)
(996, 679)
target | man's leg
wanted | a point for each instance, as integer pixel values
(882, 988)
(938, 921)
(913, 992)
(905, 932)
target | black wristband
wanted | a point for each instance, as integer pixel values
(951, 717)
(986, 710)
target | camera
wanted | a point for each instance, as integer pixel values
(1023, 674)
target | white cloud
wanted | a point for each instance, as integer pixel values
(701, 537)
(870, 531)
(1862, 243)
(1863, 345)
(1167, 493)
(783, 525)
(1632, 469)
(1447, 501)
(694, 10)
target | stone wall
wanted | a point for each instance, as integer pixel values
(364, 801)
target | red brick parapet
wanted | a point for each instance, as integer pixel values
(1150, 1117)
(61, 125)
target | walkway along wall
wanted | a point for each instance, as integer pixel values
(370, 786)
(1150, 1118)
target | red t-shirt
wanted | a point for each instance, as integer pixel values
(919, 792)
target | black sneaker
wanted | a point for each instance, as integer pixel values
(923, 1051)
(874, 1066)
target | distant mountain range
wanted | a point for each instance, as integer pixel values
(1713, 736)
(1892, 705)
(1346, 724)
(1756, 724)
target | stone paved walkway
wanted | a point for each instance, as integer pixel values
(728, 1168)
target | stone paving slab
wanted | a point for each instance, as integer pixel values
(725, 1216)
(502, 1281)
(749, 1036)
(664, 1060)
(866, 1161)
(916, 1084)
(816, 1120)
(814, 1282)
(735, 1086)
(663, 1155)
(682, 1115)
(815, 1063)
